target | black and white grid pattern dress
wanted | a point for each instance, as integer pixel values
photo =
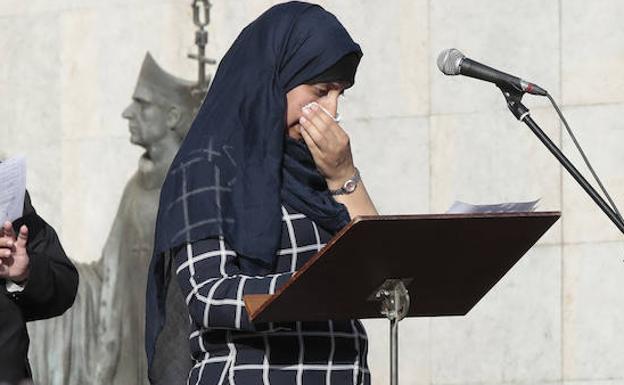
(228, 349)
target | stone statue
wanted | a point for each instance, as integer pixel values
(158, 117)
(101, 339)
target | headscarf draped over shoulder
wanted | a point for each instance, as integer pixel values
(236, 165)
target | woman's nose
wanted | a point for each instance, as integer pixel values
(330, 101)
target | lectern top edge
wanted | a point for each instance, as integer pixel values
(452, 216)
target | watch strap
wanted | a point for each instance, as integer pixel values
(349, 185)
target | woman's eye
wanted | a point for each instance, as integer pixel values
(322, 91)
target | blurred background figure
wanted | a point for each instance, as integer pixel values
(37, 281)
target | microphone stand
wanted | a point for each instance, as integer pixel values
(514, 102)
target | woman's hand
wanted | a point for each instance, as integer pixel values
(328, 142)
(331, 150)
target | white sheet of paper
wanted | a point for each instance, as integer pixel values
(459, 207)
(12, 188)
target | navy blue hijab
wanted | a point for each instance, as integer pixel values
(236, 165)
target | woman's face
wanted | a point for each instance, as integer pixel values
(325, 94)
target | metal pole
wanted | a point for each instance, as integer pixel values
(395, 302)
(394, 352)
(201, 18)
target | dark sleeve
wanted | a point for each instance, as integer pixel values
(210, 276)
(53, 279)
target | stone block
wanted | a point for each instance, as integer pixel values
(490, 157)
(521, 39)
(593, 310)
(393, 157)
(513, 335)
(592, 52)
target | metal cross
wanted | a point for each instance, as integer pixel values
(201, 18)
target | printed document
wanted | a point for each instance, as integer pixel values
(12, 188)
(509, 207)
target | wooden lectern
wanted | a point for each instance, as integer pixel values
(409, 265)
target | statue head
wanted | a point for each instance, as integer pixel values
(162, 106)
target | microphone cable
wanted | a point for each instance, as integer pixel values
(585, 159)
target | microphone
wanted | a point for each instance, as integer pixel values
(453, 62)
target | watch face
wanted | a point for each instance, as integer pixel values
(350, 186)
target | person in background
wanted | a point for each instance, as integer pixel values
(37, 281)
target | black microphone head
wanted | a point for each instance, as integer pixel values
(449, 61)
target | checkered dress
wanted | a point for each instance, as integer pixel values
(228, 349)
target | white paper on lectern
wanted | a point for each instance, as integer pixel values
(12, 188)
(459, 207)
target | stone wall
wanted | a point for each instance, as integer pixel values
(420, 139)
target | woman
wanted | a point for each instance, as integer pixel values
(263, 180)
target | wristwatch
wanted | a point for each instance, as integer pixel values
(349, 186)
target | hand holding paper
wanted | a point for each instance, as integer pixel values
(12, 188)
